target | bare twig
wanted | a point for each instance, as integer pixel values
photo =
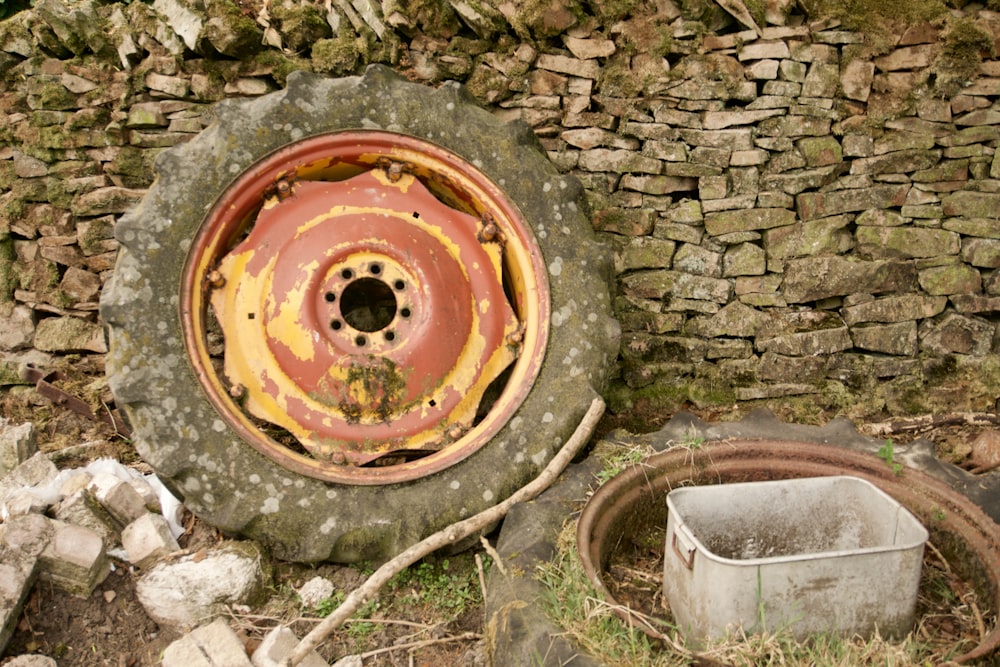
(940, 557)
(450, 535)
(648, 623)
(465, 636)
(482, 575)
(928, 422)
(980, 625)
(492, 553)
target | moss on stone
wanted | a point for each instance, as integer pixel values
(880, 21)
(8, 273)
(757, 10)
(488, 85)
(339, 55)
(965, 45)
(281, 65)
(641, 404)
(301, 25)
(941, 369)
(464, 46)
(609, 12)
(230, 31)
(52, 95)
(57, 194)
(7, 174)
(387, 51)
(618, 79)
(94, 234)
(134, 166)
(13, 208)
(434, 18)
(544, 19)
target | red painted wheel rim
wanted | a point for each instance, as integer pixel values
(374, 292)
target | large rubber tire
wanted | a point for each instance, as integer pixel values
(229, 484)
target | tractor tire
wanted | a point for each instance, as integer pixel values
(341, 479)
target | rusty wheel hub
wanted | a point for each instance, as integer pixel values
(384, 307)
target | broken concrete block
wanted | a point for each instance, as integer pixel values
(212, 645)
(22, 539)
(147, 493)
(82, 509)
(17, 575)
(36, 470)
(74, 483)
(75, 559)
(28, 534)
(147, 539)
(117, 497)
(278, 645)
(22, 502)
(17, 444)
(31, 660)
(193, 589)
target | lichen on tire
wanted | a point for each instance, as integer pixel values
(202, 453)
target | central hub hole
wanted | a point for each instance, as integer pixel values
(368, 304)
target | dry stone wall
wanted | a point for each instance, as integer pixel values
(793, 218)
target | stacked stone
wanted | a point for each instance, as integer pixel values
(787, 216)
(773, 237)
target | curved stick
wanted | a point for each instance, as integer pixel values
(449, 535)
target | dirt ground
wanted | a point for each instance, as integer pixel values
(418, 619)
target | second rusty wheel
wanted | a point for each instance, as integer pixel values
(353, 312)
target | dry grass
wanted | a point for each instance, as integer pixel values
(949, 623)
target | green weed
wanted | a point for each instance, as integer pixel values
(888, 454)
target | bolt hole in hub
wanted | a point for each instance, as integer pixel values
(401, 306)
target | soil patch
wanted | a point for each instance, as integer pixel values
(110, 628)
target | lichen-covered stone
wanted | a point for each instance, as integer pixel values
(821, 151)
(196, 588)
(811, 205)
(69, 334)
(957, 334)
(626, 221)
(733, 320)
(949, 280)
(815, 278)
(827, 236)
(984, 253)
(899, 338)
(745, 259)
(970, 204)
(899, 308)
(795, 333)
(726, 222)
(643, 253)
(785, 368)
(697, 260)
(653, 284)
(618, 161)
(893, 242)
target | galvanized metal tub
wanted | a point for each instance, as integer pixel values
(814, 555)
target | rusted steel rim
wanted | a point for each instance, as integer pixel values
(384, 306)
(959, 528)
